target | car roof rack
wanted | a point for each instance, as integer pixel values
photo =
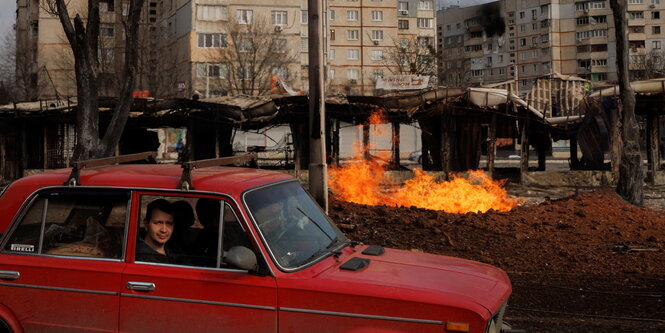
(74, 176)
(187, 167)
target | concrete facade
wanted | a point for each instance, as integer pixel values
(566, 36)
(185, 44)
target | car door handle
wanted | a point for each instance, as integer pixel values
(9, 275)
(140, 286)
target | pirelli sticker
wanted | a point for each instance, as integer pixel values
(23, 248)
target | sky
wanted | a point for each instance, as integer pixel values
(7, 16)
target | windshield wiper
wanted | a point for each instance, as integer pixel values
(316, 224)
(329, 249)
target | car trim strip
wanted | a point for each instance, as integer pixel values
(365, 316)
(85, 291)
(186, 300)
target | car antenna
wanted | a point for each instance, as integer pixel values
(74, 176)
(185, 183)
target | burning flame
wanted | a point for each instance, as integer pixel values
(359, 181)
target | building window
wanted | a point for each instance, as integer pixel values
(244, 16)
(522, 15)
(405, 6)
(544, 38)
(635, 15)
(655, 15)
(377, 15)
(332, 34)
(278, 17)
(377, 73)
(106, 6)
(522, 41)
(534, 54)
(534, 14)
(424, 5)
(246, 45)
(211, 13)
(304, 44)
(352, 74)
(595, 19)
(377, 34)
(635, 2)
(331, 54)
(424, 23)
(352, 54)
(655, 45)
(377, 54)
(212, 40)
(476, 73)
(597, 4)
(106, 30)
(599, 62)
(655, 30)
(352, 34)
(331, 74)
(352, 15)
(403, 24)
(332, 14)
(303, 16)
(279, 45)
(212, 70)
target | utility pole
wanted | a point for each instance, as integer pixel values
(318, 170)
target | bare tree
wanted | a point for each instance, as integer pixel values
(83, 37)
(650, 66)
(249, 53)
(413, 55)
(8, 67)
(631, 175)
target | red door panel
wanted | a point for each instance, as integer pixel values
(186, 299)
(55, 294)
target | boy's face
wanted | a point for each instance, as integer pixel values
(160, 227)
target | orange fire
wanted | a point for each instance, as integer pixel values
(359, 181)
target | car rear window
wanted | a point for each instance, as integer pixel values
(75, 223)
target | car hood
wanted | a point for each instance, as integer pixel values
(438, 278)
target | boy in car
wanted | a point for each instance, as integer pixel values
(158, 224)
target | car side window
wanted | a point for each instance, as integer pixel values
(73, 223)
(186, 231)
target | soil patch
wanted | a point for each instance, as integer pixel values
(586, 262)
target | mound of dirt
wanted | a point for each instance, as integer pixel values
(587, 232)
(592, 241)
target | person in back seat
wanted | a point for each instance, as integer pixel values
(205, 245)
(183, 233)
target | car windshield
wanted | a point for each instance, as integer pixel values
(294, 227)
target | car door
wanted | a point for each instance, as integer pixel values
(197, 292)
(61, 261)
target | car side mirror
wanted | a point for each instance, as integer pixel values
(241, 257)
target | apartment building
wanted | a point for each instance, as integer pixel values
(210, 48)
(472, 45)
(45, 64)
(569, 37)
(371, 38)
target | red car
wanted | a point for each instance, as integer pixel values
(140, 248)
